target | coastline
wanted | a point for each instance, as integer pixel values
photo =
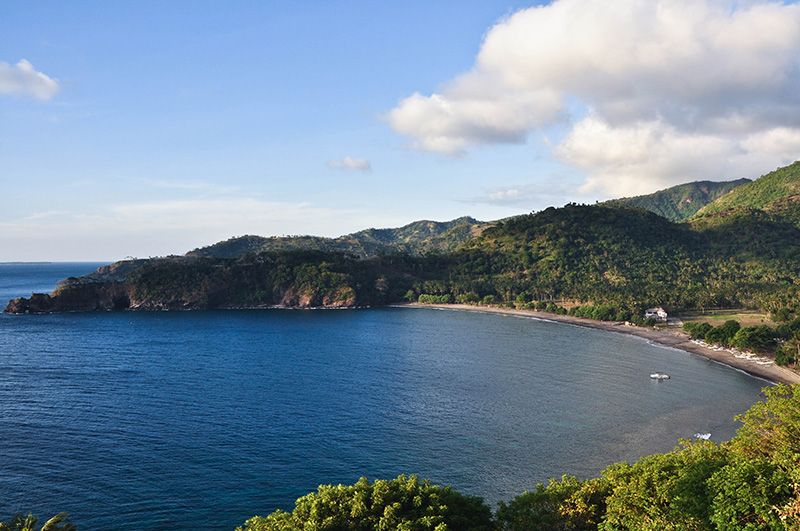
(772, 372)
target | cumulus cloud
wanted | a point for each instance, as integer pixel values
(22, 78)
(349, 163)
(649, 92)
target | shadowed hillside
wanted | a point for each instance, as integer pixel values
(415, 238)
(680, 202)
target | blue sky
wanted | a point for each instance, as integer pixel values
(151, 128)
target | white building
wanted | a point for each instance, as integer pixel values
(657, 313)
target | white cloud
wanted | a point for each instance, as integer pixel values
(349, 163)
(632, 160)
(675, 89)
(161, 227)
(23, 79)
(783, 142)
(449, 124)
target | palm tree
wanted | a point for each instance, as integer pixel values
(22, 523)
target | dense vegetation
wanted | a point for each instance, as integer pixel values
(682, 201)
(415, 239)
(741, 251)
(750, 483)
(28, 523)
(404, 503)
(771, 192)
(756, 339)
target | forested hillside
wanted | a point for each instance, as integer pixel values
(415, 238)
(776, 195)
(626, 257)
(679, 202)
(741, 251)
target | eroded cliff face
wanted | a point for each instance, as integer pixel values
(75, 298)
(119, 296)
(309, 279)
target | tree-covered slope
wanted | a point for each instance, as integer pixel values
(777, 193)
(745, 255)
(415, 238)
(627, 258)
(581, 252)
(296, 279)
(680, 202)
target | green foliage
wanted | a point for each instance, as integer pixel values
(769, 190)
(28, 523)
(754, 338)
(724, 333)
(696, 330)
(663, 491)
(404, 503)
(782, 315)
(770, 439)
(747, 495)
(771, 429)
(788, 353)
(426, 298)
(682, 201)
(569, 504)
(523, 298)
(416, 238)
(751, 483)
(468, 298)
(600, 312)
(787, 330)
(743, 255)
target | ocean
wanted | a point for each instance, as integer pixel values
(200, 420)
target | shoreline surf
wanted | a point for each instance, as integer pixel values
(772, 373)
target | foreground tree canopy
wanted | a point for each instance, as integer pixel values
(28, 523)
(404, 503)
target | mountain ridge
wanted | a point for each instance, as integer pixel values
(415, 238)
(680, 202)
(624, 257)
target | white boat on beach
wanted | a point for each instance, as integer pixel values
(659, 376)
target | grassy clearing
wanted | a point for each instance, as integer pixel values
(717, 317)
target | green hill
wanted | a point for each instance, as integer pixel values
(682, 201)
(742, 251)
(776, 193)
(415, 238)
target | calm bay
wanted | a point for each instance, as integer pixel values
(199, 420)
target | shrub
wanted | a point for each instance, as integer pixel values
(402, 503)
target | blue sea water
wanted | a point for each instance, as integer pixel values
(199, 420)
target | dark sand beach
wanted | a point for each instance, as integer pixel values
(669, 338)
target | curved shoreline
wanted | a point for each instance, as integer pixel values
(772, 373)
